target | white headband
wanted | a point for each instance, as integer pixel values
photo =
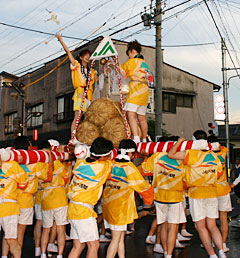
(101, 155)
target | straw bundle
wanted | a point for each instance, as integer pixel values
(100, 111)
(87, 132)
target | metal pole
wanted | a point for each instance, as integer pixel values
(225, 94)
(159, 71)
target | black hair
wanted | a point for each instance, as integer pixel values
(127, 144)
(44, 145)
(134, 45)
(212, 138)
(163, 139)
(21, 143)
(100, 146)
(173, 138)
(200, 135)
(82, 53)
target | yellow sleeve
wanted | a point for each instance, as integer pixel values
(124, 68)
(20, 175)
(41, 170)
(191, 157)
(138, 184)
(148, 165)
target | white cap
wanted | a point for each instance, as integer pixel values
(54, 143)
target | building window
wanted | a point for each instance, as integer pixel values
(184, 100)
(65, 108)
(8, 122)
(169, 102)
(34, 116)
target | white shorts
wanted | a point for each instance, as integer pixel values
(26, 216)
(85, 230)
(140, 110)
(203, 208)
(115, 227)
(38, 211)
(171, 213)
(10, 226)
(224, 203)
(59, 215)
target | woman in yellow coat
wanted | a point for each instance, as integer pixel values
(80, 77)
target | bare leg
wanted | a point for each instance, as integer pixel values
(171, 237)
(93, 247)
(76, 249)
(53, 233)
(204, 236)
(132, 119)
(15, 247)
(121, 246)
(224, 225)
(5, 247)
(143, 125)
(21, 232)
(113, 247)
(164, 235)
(158, 235)
(37, 233)
(44, 239)
(215, 233)
(61, 237)
(153, 228)
(76, 115)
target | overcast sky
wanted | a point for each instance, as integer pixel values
(21, 50)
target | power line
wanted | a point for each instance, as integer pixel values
(222, 39)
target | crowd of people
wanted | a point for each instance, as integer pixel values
(76, 192)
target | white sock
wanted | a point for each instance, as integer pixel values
(4, 256)
(43, 256)
(144, 140)
(169, 256)
(136, 139)
(221, 254)
(165, 254)
(224, 245)
(213, 256)
(60, 256)
(51, 245)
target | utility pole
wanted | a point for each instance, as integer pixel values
(225, 95)
(158, 70)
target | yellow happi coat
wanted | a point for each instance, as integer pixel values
(35, 172)
(79, 82)
(223, 187)
(86, 187)
(12, 177)
(118, 196)
(135, 69)
(201, 173)
(53, 194)
(168, 177)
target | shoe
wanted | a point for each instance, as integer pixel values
(182, 238)
(225, 248)
(37, 251)
(52, 248)
(104, 239)
(178, 245)
(158, 249)
(149, 138)
(154, 238)
(185, 233)
(150, 240)
(43, 256)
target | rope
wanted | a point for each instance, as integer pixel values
(56, 67)
(81, 108)
(115, 59)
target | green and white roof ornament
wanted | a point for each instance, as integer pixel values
(104, 49)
